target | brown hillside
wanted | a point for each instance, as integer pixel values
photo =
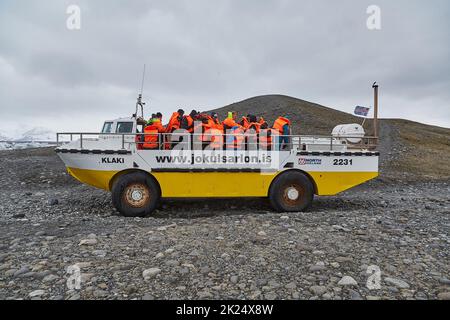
(409, 150)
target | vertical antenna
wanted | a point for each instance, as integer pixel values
(139, 102)
(143, 79)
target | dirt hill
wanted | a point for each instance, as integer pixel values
(409, 150)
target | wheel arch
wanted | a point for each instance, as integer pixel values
(311, 179)
(127, 171)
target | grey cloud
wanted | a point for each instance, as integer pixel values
(211, 53)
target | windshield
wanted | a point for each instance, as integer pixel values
(107, 127)
(124, 127)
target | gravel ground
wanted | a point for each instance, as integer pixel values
(224, 249)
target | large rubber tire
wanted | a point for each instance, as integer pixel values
(291, 191)
(135, 194)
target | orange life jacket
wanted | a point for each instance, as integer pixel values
(245, 122)
(174, 123)
(216, 124)
(213, 132)
(279, 124)
(214, 137)
(251, 135)
(235, 138)
(255, 126)
(151, 140)
(266, 138)
(187, 123)
(203, 124)
(229, 123)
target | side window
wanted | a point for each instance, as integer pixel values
(124, 127)
(107, 127)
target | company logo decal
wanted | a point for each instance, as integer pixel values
(305, 161)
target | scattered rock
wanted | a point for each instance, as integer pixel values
(347, 281)
(148, 296)
(50, 278)
(397, 283)
(88, 242)
(164, 228)
(444, 296)
(150, 273)
(36, 293)
(291, 285)
(21, 271)
(53, 202)
(99, 253)
(204, 295)
(317, 267)
(318, 290)
(234, 279)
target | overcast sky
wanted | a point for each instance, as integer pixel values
(206, 54)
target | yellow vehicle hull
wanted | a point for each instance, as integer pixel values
(226, 184)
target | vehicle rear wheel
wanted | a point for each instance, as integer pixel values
(292, 191)
(135, 194)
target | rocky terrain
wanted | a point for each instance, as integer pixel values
(218, 249)
(387, 239)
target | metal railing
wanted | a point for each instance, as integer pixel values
(194, 139)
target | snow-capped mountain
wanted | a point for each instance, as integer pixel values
(4, 138)
(37, 134)
(4, 145)
(33, 138)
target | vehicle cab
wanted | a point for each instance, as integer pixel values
(120, 130)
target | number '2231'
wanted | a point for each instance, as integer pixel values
(342, 162)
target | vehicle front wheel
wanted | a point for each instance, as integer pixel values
(292, 191)
(135, 194)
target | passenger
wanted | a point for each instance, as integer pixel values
(187, 121)
(202, 126)
(251, 133)
(261, 120)
(283, 126)
(235, 132)
(174, 124)
(266, 137)
(254, 124)
(216, 122)
(215, 131)
(150, 121)
(245, 122)
(230, 121)
(175, 121)
(152, 134)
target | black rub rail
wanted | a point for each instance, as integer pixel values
(95, 151)
(339, 154)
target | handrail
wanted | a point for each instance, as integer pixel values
(366, 142)
(211, 134)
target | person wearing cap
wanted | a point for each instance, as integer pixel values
(215, 122)
(152, 133)
(230, 121)
(159, 116)
(283, 126)
(187, 122)
(214, 131)
(175, 121)
(174, 124)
